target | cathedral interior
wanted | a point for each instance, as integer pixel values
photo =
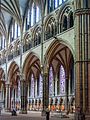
(45, 55)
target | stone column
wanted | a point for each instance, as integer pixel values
(82, 45)
(23, 97)
(69, 85)
(45, 91)
(34, 87)
(7, 100)
(28, 94)
(0, 95)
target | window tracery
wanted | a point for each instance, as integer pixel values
(51, 28)
(62, 80)
(37, 36)
(40, 86)
(51, 78)
(66, 19)
(32, 86)
(33, 15)
(53, 4)
(14, 31)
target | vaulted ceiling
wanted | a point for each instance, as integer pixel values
(13, 9)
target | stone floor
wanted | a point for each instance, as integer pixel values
(34, 116)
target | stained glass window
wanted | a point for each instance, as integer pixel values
(60, 2)
(52, 4)
(32, 85)
(56, 3)
(50, 81)
(58, 83)
(19, 90)
(12, 31)
(62, 80)
(15, 30)
(32, 15)
(64, 0)
(40, 86)
(37, 14)
(18, 30)
(28, 17)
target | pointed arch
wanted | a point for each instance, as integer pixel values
(31, 62)
(13, 72)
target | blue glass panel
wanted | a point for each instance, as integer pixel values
(62, 80)
(19, 90)
(37, 14)
(50, 81)
(40, 86)
(56, 3)
(32, 15)
(32, 86)
(60, 2)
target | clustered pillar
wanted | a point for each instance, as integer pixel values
(7, 100)
(82, 64)
(45, 91)
(23, 97)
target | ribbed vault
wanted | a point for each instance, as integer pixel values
(13, 73)
(59, 53)
(31, 65)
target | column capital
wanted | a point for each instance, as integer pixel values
(22, 77)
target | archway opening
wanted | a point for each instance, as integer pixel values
(14, 80)
(61, 74)
(33, 79)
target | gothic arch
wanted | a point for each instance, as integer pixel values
(60, 55)
(64, 17)
(13, 72)
(26, 37)
(54, 45)
(32, 63)
(63, 8)
(52, 18)
(36, 36)
(50, 27)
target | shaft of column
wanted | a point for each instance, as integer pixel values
(7, 100)
(82, 46)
